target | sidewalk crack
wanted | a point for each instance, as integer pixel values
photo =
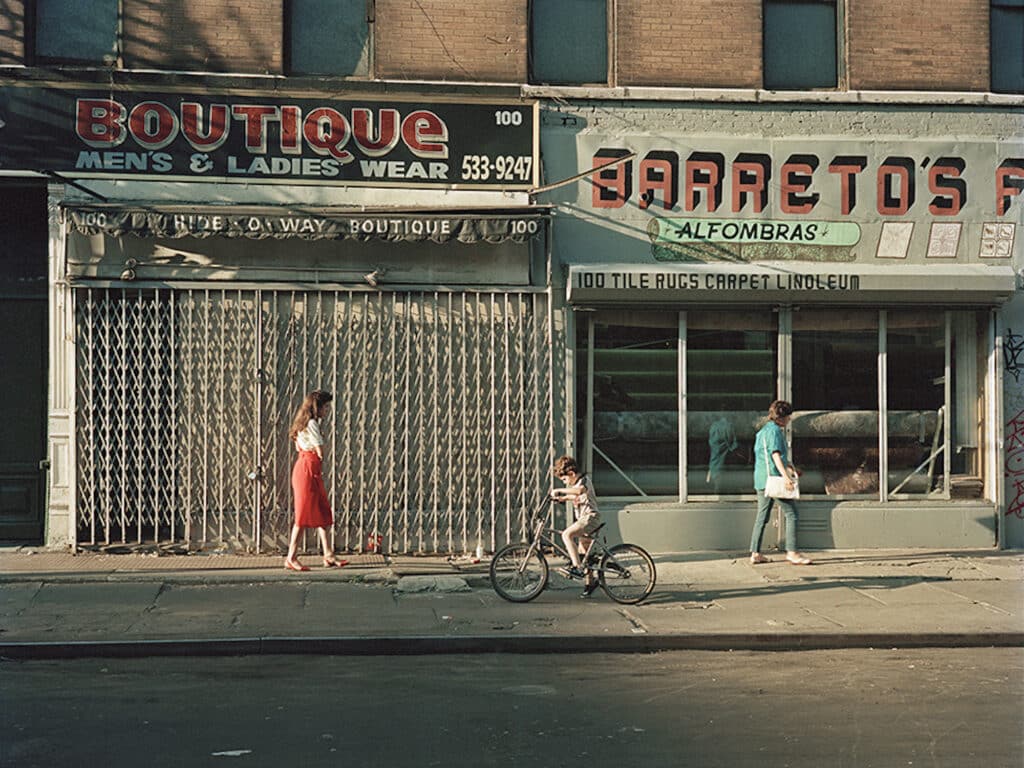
(638, 627)
(869, 596)
(822, 616)
(981, 603)
(152, 606)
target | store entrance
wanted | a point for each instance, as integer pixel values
(23, 361)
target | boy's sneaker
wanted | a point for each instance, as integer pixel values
(572, 572)
(588, 590)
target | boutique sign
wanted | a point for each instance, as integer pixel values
(198, 222)
(231, 137)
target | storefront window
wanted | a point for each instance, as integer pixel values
(731, 365)
(835, 384)
(930, 365)
(635, 422)
(916, 397)
(968, 348)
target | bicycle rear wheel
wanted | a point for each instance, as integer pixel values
(519, 572)
(627, 573)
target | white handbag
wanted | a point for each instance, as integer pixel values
(775, 486)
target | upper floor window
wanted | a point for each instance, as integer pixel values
(77, 31)
(569, 42)
(800, 44)
(1007, 46)
(329, 37)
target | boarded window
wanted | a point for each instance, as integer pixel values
(1008, 46)
(329, 37)
(77, 31)
(569, 41)
(800, 44)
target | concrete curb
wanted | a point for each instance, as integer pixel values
(436, 644)
(239, 576)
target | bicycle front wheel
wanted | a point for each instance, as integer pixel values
(519, 572)
(627, 573)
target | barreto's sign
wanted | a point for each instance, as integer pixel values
(804, 180)
(239, 138)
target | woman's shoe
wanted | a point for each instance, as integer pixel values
(330, 562)
(757, 558)
(795, 558)
(295, 565)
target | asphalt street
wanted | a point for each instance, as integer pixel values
(882, 708)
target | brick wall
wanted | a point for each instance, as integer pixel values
(918, 44)
(700, 43)
(446, 40)
(12, 31)
(204, 35)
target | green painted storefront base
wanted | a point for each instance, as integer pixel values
(672, 527)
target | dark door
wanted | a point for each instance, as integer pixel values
(23, 361)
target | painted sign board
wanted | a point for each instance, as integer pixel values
(268, 138)
(786, 282)
(235, 221)
(702, 198)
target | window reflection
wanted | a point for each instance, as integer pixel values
(835, 394)
(934, 427)
(731, 362)
(636, 422)
(916, 364)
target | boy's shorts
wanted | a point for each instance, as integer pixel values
(590, 520)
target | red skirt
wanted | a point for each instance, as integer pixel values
(312, 510)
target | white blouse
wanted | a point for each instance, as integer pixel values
(309, 439)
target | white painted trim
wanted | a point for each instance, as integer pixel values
(759, 95)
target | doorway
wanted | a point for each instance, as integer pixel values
(23, 361)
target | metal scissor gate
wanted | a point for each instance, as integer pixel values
(439, 439)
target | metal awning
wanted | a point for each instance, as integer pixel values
(163, 220)
(790, 282)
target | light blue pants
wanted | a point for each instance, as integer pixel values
(764, 510)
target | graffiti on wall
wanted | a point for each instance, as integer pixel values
(1015, 466)
(1013, 359)
(1013, 354)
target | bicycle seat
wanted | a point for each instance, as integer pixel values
(594, 532)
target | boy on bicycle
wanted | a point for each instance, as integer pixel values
(587, 518)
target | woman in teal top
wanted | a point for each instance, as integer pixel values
(772, 455)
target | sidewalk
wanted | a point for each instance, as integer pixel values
(56, 604)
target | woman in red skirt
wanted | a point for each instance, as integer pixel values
(312, 510)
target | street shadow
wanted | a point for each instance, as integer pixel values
(675, 594)
(702, 556)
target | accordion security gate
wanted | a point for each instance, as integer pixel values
(440, 437)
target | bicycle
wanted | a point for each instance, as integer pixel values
(519, 572)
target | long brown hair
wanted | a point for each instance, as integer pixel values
(780, 409)
(310, 409)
